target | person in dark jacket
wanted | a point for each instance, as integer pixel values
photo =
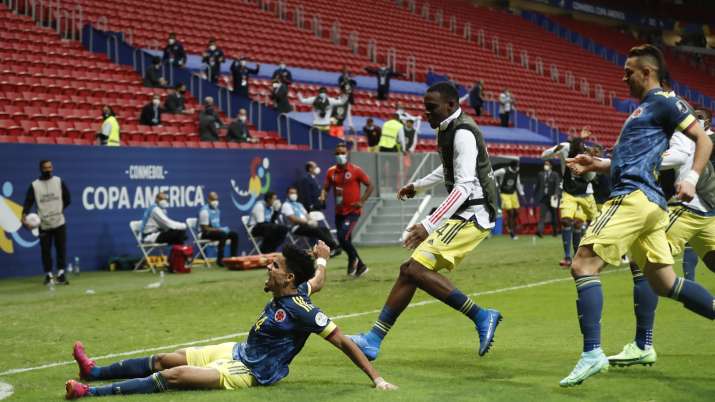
(546, 196)
(209, 122)
(175, 102)
(476, 95)
(309, 189)
(283, 73)
(383, 74)
(238, 129)
(347, 85)
(373, 134)
(174, 52)
(213, 57)
(152, 76)
(240, 72)
(151, 112)
(279, 95)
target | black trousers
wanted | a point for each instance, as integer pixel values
(504, 117)
(59, 236)
(272, 235)
(545, 208)
(478, 110)
(383, 92)
(345, 225)
(221, 237)
(316, 232)
(172, 236)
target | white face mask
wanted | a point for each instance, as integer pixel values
(242, 63)
(282, 66)
(316, 171)
(276, 205)
(293, 197)
(341, 159)
(172, 41)
(213, 204)
(156, 102)
(163, 204)
(702, 123)
(323, 95)
(212, 48)
(547, 168)
(276, 85)
(241, 118)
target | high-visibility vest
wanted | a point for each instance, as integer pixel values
(389, 134)
(113, 140)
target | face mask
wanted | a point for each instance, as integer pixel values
(212, 48)
(46, 175)
(276, 205)
(213, 204)
(276, 85)
(163, 204)
(341, 159)
(293, 197)
(702, 123)
(242, 118)
(282, 66)
(172, 41)
(242, 63)
(316, 171)
(156, 102)
(323, 95)
(547, 168)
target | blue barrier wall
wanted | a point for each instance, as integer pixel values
(109, 187)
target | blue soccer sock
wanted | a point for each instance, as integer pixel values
(690, 260)
(147, 385)
(694, 297)
(130, 368)
(576, 239)
(645, 301)
(566, 237)
(589, 306)
(462, 303)
(384, 323)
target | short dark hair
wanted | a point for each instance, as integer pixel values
(322, 89)
(655, 55)
(370, 120)
(309, 165)
(291, 188)
(42, 162)
(341, 145)
(446, 89)
(708, 114)
(299, 262)
(178, 85)
(514, 163)
(268, 195)
(156, 60)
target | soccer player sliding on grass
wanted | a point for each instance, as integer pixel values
(461, 222)
(274, 340)
(634, 219)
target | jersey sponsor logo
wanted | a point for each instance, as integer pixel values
(348, 175)
(682, 108)
(321, 319)
(280, 315)
(636, 113)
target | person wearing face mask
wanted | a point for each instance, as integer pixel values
(309, 189)
(546, 195)
(209, 122)
(346, 179)
(240, 72)
(322, 107)
(509, 185)
(52, 197)
(153, 77)
(211, 229)
(705, 118)
(279, 95)
(213, 57)
(373, 134)
(157, 227)
(263, 223)
(151, 112)
(175, 102)
(109, 132)
(238, 129)
(283, 73)
(302, 225)
(174, 53)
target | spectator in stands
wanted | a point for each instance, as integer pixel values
(174, 53)
(309, 189)
(383, 74)
(238, 129)
(347, 85)
(546, 196)
(476, 97)
(510, 188)
(373, 133)
(240, 72)
(209, 121)
(151, 112)
(211, 229)
(322, 107)
(506, 103)
(283, 73)
(157, 227)
(409, 137)
(279, 96)
(52, 197)
(402, 114)
(109, 133)
(298, 219)
(153, 77)
(213, 57)
(263, 224)
(175, 102)
(392, 135)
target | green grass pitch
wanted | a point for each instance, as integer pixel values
(430, 353)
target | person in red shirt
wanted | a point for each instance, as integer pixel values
(345, 179)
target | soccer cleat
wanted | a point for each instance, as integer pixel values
(362, 270)
(590, 363)
(486, 329)
(632, 355)
(62, 278)
(368, 343)
(76, 390)
(85, 363)
(352, 268)
(566, 262)
(48, 278)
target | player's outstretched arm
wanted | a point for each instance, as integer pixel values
(351, 350)
(583, 163)
(321, 252)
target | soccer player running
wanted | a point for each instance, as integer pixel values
(275, 339)
(461, 222)
(690, 222)
(634, 218)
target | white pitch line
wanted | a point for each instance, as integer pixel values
(241, 334)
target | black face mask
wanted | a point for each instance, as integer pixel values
(45, 175)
